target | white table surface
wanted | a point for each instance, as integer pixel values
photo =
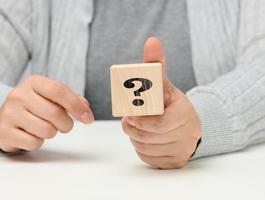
(98, 162)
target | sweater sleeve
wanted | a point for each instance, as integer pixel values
(15, 42)
(232, 108)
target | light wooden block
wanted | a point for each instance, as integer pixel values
(126, 101)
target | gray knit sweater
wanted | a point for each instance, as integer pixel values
(228, 52)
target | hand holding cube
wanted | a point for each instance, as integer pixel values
(164, 141)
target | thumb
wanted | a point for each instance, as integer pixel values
(153, 52)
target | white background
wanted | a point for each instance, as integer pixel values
(98, 162)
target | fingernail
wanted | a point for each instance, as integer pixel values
(85, 118)
(130, 121)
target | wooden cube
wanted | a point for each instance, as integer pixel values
(137, 89)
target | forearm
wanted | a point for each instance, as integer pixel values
(15, 40)
(232, 109)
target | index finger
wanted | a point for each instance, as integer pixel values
(175, 115)
(64, 96)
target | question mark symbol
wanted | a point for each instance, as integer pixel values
(146, 85)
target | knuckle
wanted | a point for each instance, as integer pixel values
(125, 128)
(137, 135)
(139, 124)
(6, 112)
(9, 113)
(15, 94)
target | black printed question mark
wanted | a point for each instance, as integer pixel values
(146, 85)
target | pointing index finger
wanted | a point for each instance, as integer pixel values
(63, 96)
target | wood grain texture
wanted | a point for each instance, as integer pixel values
(122, 97)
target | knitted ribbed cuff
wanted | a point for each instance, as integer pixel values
(216, 124)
